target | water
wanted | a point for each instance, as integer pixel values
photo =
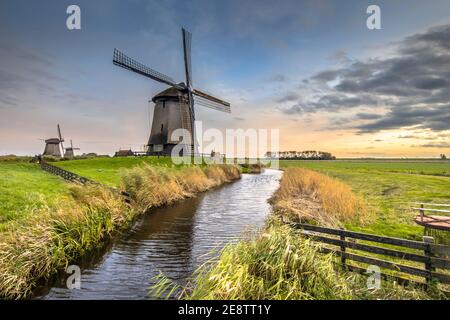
(174, 240)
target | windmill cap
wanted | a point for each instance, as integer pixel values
(170, 93)
(53, 140)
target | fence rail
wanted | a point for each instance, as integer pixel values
(434, 256)
(67, 175)
(73, 177)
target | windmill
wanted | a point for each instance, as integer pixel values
(174, 107)
(69, 151)
(53, 146)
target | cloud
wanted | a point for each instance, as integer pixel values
(435, 145)
(412, 87)
(288, 97)
(278, 78)
(368, 116)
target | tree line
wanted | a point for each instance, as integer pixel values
(301, 155)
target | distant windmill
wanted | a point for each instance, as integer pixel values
(53, 146)
(174, 107)
(69, 151)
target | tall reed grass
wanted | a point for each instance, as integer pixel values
(275, 265)
(279, 264)
(309, 196)
(30, 253)
(151, 186)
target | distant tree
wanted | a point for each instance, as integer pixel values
(306, 155)
(443, 156)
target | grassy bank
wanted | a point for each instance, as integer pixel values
(308, 196)
(53, 236)
(109, 170)
(281, 264)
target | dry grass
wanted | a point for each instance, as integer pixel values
(37, 248)
(152, 187)
(52, 238)
(308, 196)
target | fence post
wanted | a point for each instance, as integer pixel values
(343, 259)
(421, 212)
(428, 254)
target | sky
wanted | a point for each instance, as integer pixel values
(311, 69)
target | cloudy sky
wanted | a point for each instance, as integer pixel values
(311, 69)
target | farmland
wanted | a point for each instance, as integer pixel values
(109, 170)
(24, 187)
(388, 187)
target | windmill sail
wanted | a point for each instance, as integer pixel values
(209, 101)
(61, 140)
(122, 60)
(187, 36)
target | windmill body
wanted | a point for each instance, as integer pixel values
(52, 147)
(70, 151)
(171, 112)
(174, 107)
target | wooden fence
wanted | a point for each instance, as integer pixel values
(73, 177)
(67, 175)
(431, 256)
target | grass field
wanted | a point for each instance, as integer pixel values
(388, 187)
(24, 187)
(108, 170)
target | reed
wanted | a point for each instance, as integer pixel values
(155, 186)
(279, 264)
(309, 196)
(274, 265)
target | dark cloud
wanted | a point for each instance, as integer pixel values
(412, 86)
(290, 96)
(435, 145)
(368, 116)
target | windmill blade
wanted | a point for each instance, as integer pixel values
(187, 36)
(61, 139)
(122, 60)
(209, 101)
(192, 113)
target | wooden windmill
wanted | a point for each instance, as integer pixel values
(69, 151)
(54, 146)
(174, 107)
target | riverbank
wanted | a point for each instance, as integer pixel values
(280, 263)
(54, 236)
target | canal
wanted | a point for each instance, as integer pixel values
(173, 240)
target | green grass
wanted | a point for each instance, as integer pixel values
(388, 187)
(24, 187)
(108, 170)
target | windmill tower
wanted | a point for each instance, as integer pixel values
(53, 146)
(69, 151)
(174, 107)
